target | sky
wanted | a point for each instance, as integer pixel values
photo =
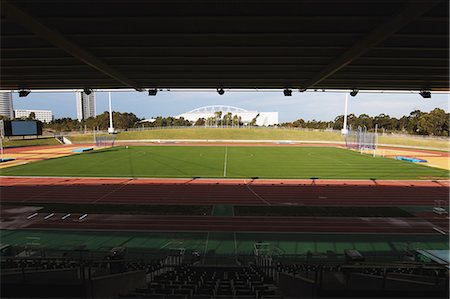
(323, 106)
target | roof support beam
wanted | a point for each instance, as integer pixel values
(29, 22)
(413, 10)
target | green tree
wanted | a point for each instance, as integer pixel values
(200, 122)
(434, 123)
(31, 116)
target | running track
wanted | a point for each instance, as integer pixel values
(237, 224)
(236, 192)
(243, 192)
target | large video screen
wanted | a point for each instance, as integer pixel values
(22, 127)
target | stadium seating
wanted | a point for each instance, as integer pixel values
(264, 277)
(209, 282)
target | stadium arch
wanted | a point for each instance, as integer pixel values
(246, 116)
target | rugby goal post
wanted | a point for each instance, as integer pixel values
(361, 140)
(105, 140)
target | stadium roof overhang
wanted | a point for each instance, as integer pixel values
(304, 44)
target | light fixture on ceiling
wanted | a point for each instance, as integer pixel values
(152, 91)
(287, 92)
(426, 94)
(354, 92)
(24, 92)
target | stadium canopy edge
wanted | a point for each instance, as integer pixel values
(398, 45)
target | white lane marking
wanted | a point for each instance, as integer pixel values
(32, 215)
(206, 247)
(235, 248)
(83, 216)
(49, 215)
(225, 161)
(256, 194)
(114, 190)
(439, 231)
(65, 216)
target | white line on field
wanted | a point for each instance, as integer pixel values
(32, 215)
(49, 216)
(256, 194)
(225, 161)
(114, 190)
(440, 231)
(206, 247)
(235, 247)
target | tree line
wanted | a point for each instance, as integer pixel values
(435, 123)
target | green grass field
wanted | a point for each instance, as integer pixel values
(226, 243)
(229, 162)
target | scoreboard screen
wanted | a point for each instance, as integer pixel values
(21, 127)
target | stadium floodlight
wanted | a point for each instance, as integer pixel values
(24, 92)
(354, 92)
(87, 91)
(425, 94)
(152, 91)
(287, 92)
(220, 91)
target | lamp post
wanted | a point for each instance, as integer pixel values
(111, 128)
(344, 130)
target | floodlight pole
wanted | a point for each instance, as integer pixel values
(344, 130)
(1, 148)
(376, 140)
(111, 128)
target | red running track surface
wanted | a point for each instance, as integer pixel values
(237, 192)
(234, 224)
(244, 192)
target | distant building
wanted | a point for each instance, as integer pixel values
(85, 105)
(262, 118)
(6, 104)
(45, 116)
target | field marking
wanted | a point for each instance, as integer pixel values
(235, 248)
(171, 242)
(114, 190)
(439, 231)
(225, 162)
(32, 215)
(256, 194)
(206, 247)
(49, 216)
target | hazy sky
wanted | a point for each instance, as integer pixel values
(309, 105)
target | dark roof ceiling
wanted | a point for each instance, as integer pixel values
(365, 44)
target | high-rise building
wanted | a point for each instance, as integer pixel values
(6, 104)
(45, 116)
(85, 105)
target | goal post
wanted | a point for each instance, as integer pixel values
(105, 140)
(362, 140)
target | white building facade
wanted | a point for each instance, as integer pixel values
(6, 105)
(262, 118)
(45, 116)
(85, 105)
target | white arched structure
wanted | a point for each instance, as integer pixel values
(217, 108)
(262, 118)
